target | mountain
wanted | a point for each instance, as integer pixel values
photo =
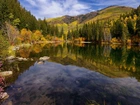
(111, 12)
(69, 19)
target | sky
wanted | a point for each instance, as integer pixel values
(56, 8)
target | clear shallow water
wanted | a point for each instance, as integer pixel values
(63, 83)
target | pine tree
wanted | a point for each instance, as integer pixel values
(117, 29)
(4, 12)
(61, 32)
(138, 26)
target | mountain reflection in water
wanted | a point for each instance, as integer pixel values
(91, 75)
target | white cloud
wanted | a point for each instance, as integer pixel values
(131, 3)
(32, 2)
(55, 8)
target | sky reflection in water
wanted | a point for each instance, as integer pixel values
(55, 84)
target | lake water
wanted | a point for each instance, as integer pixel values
(75, 75)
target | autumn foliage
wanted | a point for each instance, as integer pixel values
(25, 35)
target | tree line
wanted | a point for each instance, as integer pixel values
(17, 25)
(126, 29)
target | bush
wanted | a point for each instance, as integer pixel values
(4, 44)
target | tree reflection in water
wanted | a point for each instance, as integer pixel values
(89, 74)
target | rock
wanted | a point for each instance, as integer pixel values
(32, 59)
(3, 95)
(21, 59)
(10, 58)
(6, 73)
(40, 62)
(25, 59)
(44, 58)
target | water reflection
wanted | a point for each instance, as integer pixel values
(80, 75)
(113, 61)
(56, 84)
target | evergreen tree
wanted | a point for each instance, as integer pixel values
(117, 29)
(130, 27)
(4, 12)
(138, 26)
(61, 32)
(69, 35)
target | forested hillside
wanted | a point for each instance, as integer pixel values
(71, 22)
(124, 30)
(11, 11)
(18, 25)
(111, 12)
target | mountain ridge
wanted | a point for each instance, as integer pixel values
(84, 17)
(70, 22)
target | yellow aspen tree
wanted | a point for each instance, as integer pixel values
(37, 35)
(25, 35)
(135, 17)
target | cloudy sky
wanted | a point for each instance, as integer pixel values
(55, 8)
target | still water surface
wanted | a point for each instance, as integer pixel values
(75, 75)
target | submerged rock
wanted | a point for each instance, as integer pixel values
(3, 95)
(40, 62)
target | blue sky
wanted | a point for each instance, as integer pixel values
(55, 8)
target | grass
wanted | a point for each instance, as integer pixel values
(57, 19)
(110, 13)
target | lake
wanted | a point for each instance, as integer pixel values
(75, 74)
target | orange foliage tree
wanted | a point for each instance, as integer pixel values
(25, 35)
